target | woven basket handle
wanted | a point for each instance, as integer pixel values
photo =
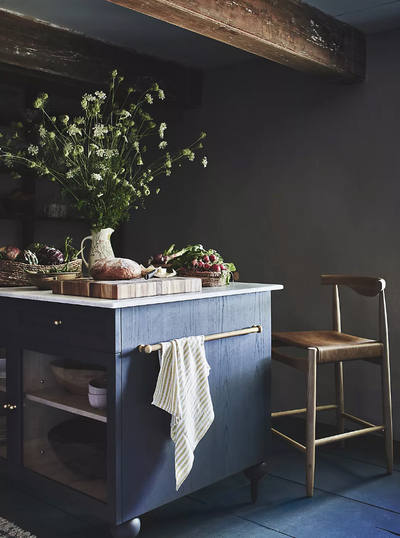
(82, 249)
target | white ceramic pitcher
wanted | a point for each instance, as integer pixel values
(101, 246)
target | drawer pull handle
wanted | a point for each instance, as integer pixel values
(57, 322)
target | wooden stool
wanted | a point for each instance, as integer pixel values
(335, 347)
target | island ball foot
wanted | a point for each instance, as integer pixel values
(130, 529)
(254, 474)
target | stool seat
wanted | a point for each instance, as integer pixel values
(332, 346)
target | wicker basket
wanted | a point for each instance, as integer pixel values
(13, 273)
(209, 278)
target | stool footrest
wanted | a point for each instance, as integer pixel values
(347, 435)
(357, 420)
(289, 440)
(303, 410)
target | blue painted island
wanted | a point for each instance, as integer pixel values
(118, 462)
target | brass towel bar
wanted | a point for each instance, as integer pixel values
(255, 329)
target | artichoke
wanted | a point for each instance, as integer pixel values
(51, 256)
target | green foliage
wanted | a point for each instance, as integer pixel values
(99, 157)
(184, 258)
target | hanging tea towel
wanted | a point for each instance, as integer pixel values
(182, 390)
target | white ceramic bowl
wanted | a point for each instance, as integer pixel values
(3, 368)
(98, 401)
(98, 386)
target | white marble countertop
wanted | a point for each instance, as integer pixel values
(236, 288)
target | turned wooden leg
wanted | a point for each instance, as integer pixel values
(339, 398)
(387, 412)
(310, 420)
(130, 529)
(254, 474)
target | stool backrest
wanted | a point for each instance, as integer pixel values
(363, 285)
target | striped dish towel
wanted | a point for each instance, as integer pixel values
(182, 390)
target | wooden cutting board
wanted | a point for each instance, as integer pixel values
(126, 289)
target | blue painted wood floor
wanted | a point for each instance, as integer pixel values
(354, 498)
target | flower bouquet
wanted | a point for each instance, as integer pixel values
(99, 158)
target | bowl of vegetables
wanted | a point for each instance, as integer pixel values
(196, 261)
(18, 267)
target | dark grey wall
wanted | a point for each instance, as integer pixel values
(304, 180)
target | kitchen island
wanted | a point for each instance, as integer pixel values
(118, 463)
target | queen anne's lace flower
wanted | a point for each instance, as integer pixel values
(97, 177)
(33, 150)
(100, 95)
(161, 129)
(73, 130)
(99, 130)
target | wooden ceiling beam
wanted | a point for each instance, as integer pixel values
(289, 32)
(54, 51)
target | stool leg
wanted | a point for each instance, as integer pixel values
(310, 420)
(387, 411)
(339, 398)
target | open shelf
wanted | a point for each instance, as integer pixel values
(3, 385)
(67, 401)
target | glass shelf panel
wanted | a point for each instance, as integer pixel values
(64, 436)
(3, 402)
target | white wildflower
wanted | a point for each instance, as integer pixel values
(125, 114)
(136, 145)
(163, 144)
(161, 129)
(204, 161)
(97, 177)
(107, 153)
(191, 156)
(161, 95)
(100, 95)
(74, 130)
(139, 161)
(100, 195)
(70, 174)
(42, 131)
(99, 130)
(33, 150)
(149, 98)
(168, 172)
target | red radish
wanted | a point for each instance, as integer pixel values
(216, 268)
(223, 268)
(207, 266)
(213, 258)
(206, 258)
(194, 263)
(200, 264)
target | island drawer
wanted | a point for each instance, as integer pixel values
(81, 326)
